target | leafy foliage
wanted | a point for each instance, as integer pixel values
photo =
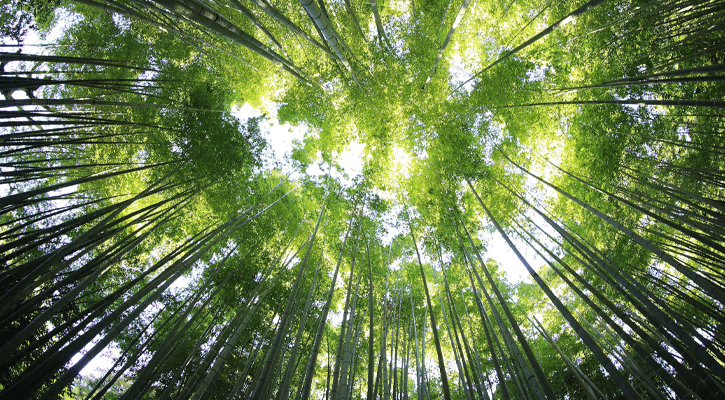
(139, 212)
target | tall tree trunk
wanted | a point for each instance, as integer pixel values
(571, 17)
(450, 336)
(327, 30)
(312, 359)
(344, 326)
(282, 391)
(614, 373)
(536, 379)
(371, 332)
(273, 353)
(290, 25)
(434, 327)
(459, 17)
(379, 24)
(706, 285)
(347, 344)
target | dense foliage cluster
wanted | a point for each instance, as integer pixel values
(142, 216)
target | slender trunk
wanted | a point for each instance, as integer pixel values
(66, 379)
(404, 377)
(638, 297)
(242, 380)
(371, 332)
(327, 30)
(450, 336)
(423, 370)
(630, 102)
(614, 373)
(571, 17)
(490, 342)
(459, 17)
(348, 342)
(578, 374)
(312, 359)
(394, 369)
(8, 57)
(282, 391)
(182, 325)
(344, 326)
(269, 9)
(471, 373)
(274, 353)
(353, 14)
(536, 379)
(97, 392)
(379, 24)
(418, 378)
(705, 284)
(434, 327)
(248, 13)
(479, 365)
(94, 103)
(645, 354)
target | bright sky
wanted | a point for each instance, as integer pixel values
(281, 137)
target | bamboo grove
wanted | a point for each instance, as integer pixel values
(142, 217)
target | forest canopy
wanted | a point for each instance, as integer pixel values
(149, 219)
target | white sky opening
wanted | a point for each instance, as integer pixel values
(459, 73)
(499, 251)
(280, 138)
(97, 366)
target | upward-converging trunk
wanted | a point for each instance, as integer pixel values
(351, 10)
(8, 57)
(450, 336)
(378, 23)
(312, 359)
(489, 341)
(72, 372)
(344, 327)
(274, 351)
(371, 332)
(231, 333)
(347, 344)
(181, 327)
(269, 9)
(324, 25)
(678, 339)
(282, 391)
(248, 13)
(459, 17)
(469, 367)
(434, 327)
(418, 376)
(705, 284)
(478, 364)
(571, 17)
(620, 380)
(536, 379)
(645, 354)
(578, 375)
